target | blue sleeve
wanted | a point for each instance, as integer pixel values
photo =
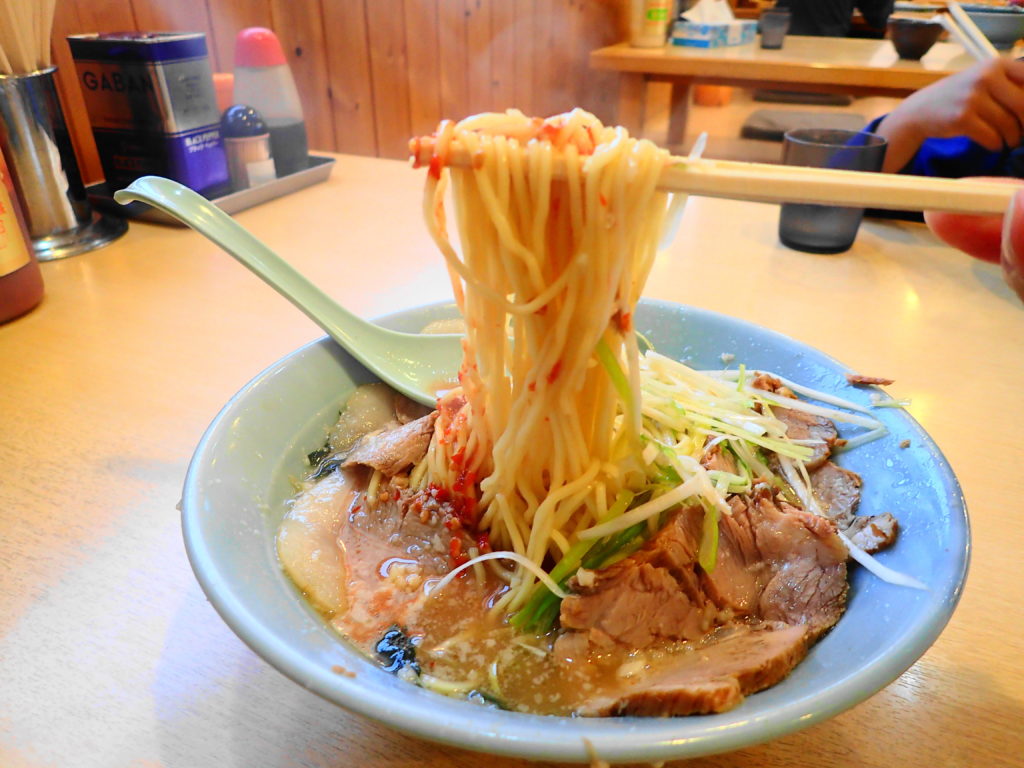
(956, 157)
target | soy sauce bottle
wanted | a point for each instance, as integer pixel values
(264, 81)
(21, 282)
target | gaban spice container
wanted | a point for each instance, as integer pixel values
(152, 107)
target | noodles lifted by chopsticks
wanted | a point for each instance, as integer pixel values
(546, 421)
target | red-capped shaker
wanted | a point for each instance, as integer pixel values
(21, 282)
(264, 82)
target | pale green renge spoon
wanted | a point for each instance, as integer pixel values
(414, 364)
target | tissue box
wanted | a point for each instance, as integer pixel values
(713, 35)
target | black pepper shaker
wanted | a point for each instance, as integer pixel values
(247, 141)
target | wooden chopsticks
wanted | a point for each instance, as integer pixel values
(765, 183)
(761, 182)
(962, 27)
(25, 28)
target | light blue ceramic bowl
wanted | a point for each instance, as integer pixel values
(239, 479)
(1002, 25)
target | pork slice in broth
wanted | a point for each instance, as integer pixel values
(649, 597)
(369, 408)
(307, 542)
(714, 677)
(363, 565)
(775, 562)
(407, 410)
(807, 584)
(779, 582)
(394, 546)
(393, 449)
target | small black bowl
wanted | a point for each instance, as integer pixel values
(913, 38)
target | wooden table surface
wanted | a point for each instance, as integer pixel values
(822, 64)
(111, 656)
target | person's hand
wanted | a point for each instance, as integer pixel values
(998, 239)
(985, 103)
(977, 236)
(1012, 254)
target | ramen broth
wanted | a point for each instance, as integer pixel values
(469, 650)
(365, 577)
(363, 585)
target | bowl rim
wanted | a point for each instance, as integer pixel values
(903, 21)
(613, 739)
(992, 10)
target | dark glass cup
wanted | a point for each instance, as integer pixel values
(826, 228)
(774, 26)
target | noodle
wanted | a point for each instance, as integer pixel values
(622, 508)
(549, 268)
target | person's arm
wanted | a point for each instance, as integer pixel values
(875, 12)
(984, 104)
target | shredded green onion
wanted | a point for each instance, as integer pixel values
(537, 611)
(616, 374)
(684, 415)
(707, 554)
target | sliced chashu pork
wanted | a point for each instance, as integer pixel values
(715, 459)
(713, 677)
(776, 564)
(392, 546)
(836, 488)
(838, 491)
(395, 448)
(817, 432)
(641, 600)
(337, 549)
(654, 595)
(407, 410)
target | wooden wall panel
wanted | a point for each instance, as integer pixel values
(542, 21)
(479, 55)
(424, 64)
(299, 25)
(389, 69)
(102, 15)
(372, 73)
(348, 66)
(568, 78)
(453, 53)
(522, 64)
(503, 55)
(178, 15)
(602, 22)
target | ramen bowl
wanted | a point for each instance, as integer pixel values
(1003, 26)
(239, 480)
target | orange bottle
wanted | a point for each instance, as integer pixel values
(21, 282)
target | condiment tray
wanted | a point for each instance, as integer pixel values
(319, 170)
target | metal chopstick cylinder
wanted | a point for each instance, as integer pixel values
(37, 146)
